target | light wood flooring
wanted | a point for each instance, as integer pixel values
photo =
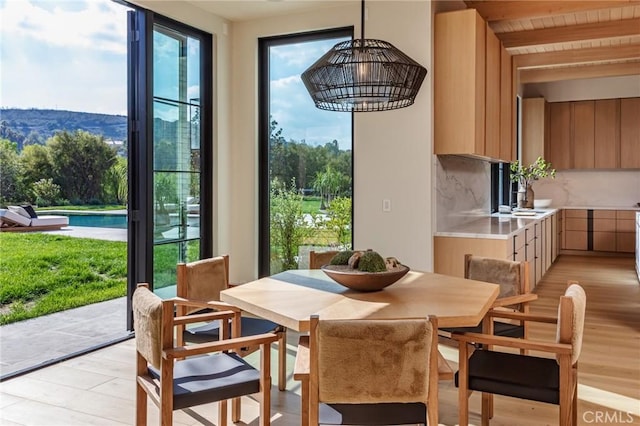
(98, 388)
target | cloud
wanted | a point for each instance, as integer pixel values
(72, 23)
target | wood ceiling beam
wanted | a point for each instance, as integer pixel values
(508, 10)
(541, 75)
(572, 33)
(577, 56)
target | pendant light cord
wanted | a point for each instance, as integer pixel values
(362, 25)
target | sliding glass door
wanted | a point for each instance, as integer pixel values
(170, 209)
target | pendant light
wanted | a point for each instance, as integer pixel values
(364, 75)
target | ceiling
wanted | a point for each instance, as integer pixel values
(550, 40)
(566, 40)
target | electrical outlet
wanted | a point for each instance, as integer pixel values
(386, 205)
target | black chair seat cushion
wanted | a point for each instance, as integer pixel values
(211, 330)
(519, 376)
(203, 379)
(373, 414)
(499, 329)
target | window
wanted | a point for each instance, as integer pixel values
(305, 157)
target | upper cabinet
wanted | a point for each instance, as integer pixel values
(630, 133)
(600, 134)
(473, 89)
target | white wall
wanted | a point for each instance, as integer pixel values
(392, 150)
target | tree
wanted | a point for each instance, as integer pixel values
(35, 164)
(9, 171)
(45, 192)
(116, 182)
(339, 220)
(80, 161)
(288, 228)
(329, 183)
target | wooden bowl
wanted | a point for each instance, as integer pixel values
(364, 281)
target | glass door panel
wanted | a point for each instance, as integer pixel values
(176, 156)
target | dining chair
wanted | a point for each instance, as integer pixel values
(550, 380)
(320, 258)
(175, 377)
(371, 372)
(515, 295)
(204, 280)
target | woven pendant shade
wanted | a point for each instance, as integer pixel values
(364, 75)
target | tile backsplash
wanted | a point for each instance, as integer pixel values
(463, 190)
(596, 188)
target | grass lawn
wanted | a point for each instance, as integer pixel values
(41, 274)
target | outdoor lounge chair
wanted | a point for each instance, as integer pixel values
(17, 219)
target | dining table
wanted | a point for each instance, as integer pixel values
(289, 298)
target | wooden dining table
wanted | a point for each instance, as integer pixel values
(291, 297)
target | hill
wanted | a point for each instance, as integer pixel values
(37, 125)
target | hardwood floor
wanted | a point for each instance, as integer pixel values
(98, 388)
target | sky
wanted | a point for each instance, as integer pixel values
(71, 55)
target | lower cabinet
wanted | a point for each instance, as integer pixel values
(599, 230)
(530, 244)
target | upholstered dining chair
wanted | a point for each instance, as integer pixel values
(320, 258)
(372, 372)
(513, 278)
(176, 377)
(204, 280)
(550, 380)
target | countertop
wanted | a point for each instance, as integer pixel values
(501, 226)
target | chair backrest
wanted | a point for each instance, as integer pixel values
(203, 279)
(571, 311)
(320, 258)
(373, 361)
(512, 276)
(147, 323)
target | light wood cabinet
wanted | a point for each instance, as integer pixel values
(558, 144)
(533, 129)
(470, 89)
(606, 134)
(575, 230)
(582, 134)
(630, 133)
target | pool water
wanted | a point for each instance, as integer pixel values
(97, 220)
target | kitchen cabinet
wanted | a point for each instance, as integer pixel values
(575, 230)
(606, 134)
(533, 129)
(530, 243)
(626, 231)
(472, 73)
(630, 133)
(558, 146)
(600, 134)
(599, 230)
(582, 134)
(604, 230)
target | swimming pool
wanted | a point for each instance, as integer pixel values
(96, 219)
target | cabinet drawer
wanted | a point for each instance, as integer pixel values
(575, 240)
(604, 241)
(575, 213)
(604, 225)
(604, 214)
(518, 241)
(626, 214)
(575, 224)
(623, 225)
(626, 242)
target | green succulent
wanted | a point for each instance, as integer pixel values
(371, 261)
(341, 258)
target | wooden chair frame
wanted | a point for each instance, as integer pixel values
(181, 291)
(320, 258)
(161, 391)
(563, 351)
